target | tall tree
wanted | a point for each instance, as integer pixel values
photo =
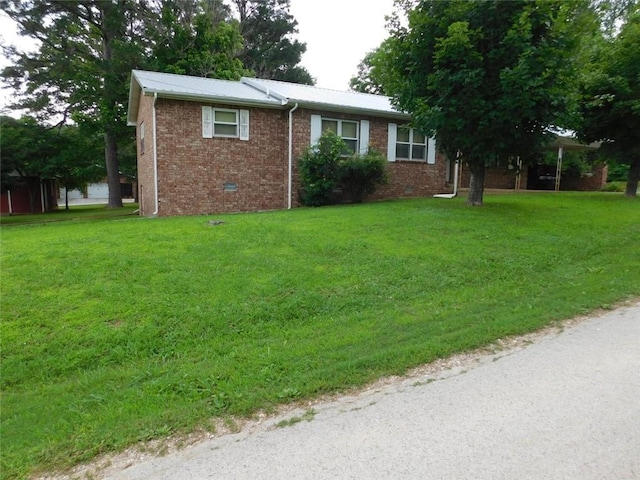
(486, 78)
(190, 40)
(269, 47)
(365, 80)
(610, 107)
(81, 69)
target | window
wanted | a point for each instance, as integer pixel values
(346, 129)
(142, 138)
(222, 122)
(225, 123)
(410, 144)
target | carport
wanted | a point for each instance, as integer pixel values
(568, 144)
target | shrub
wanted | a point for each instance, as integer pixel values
(614, 187)
(325, 169)
(319, 167)
(361, 174)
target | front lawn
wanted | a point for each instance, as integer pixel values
(120, 330)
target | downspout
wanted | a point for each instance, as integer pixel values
(155, 155)
(456, 173)
(291, 154)
(42, 192)
(10, 202)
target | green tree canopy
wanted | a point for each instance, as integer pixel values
(488, 79)
(32, 149)
(202, 41)
(81, 68)
(610, 105)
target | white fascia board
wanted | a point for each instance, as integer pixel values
(194, 97)
(355, 110)
(134, 101)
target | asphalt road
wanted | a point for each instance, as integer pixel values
(566, 406)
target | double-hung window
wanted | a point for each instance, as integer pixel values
(346, 129)
(410, 144)
(225, 123)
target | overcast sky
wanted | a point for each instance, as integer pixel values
(338, 34)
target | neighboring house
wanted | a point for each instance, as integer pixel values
(212, 146)
(29, 195)
(99, 191)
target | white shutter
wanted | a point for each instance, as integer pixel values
(316, 128)
(207, 122)
(391, 142)
(431, 152)
(364, 136)
(244, 124)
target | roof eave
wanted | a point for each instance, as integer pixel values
(194, 97)
(344, 109)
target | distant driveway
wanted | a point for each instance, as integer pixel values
(565, 407)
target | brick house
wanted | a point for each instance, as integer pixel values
(213, 146)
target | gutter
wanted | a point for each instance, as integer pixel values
(155, 157)
(291, 155)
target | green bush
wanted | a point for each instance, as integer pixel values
(327, 169)
(361, 174)
(614, 187)
(319, 167)
(618, 172)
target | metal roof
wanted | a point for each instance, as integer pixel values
(168, 85)
(323, 98)
(252, 92)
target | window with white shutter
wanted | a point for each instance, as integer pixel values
(244, 124)
(364, 136)
(406, 143)
(392, 131)
(223, 122)
(207, 122)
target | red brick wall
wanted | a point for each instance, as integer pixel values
(501, 178)
(594, 181)
(146, 182)
(192, 170)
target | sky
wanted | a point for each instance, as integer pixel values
(338, 34)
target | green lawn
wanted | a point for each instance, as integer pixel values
(76, 212)
(125, 329)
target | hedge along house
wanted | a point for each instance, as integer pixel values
(214, 146)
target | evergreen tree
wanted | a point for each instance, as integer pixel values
(269, 49)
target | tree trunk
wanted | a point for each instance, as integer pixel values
(109, 11)
(476, 185)
(113, 173)
(632, 179)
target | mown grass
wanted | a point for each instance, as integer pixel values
(75, 212)
(122, 330)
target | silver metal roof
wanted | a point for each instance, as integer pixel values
(323, 98)
(253, 92)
